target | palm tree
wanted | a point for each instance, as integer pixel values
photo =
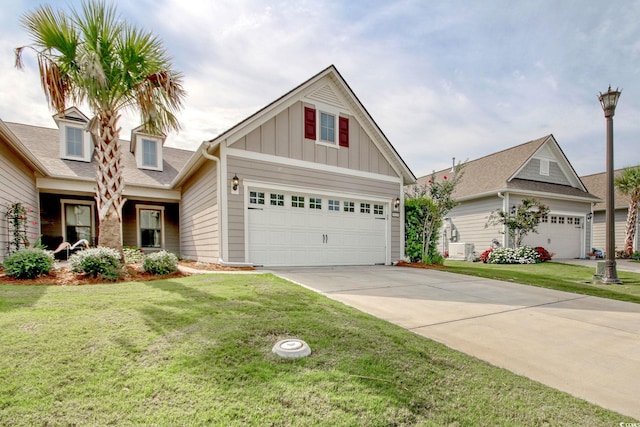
(94, 56)
(629, 184)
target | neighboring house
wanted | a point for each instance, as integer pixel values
(597, 184)
(500, 181)
(308, 180)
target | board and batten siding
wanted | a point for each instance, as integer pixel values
(307, 180)
(469, 219)
(17, 184)
(199, 216)
(283, 136)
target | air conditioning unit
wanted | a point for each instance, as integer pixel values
(461, 251)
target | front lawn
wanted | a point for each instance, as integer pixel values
(197, 351)
(553, 275)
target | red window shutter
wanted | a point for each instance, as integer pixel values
(309, 123)
(343, 129)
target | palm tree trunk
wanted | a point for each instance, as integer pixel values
(630, 229)
(110, 183)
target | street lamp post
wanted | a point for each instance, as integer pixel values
(609, 101)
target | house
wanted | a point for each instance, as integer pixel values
(597, 184)
(310, 179)
(500, 181)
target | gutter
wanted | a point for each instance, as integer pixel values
(221, 204)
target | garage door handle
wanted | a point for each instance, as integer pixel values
(257, 209)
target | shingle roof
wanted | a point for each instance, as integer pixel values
(44, 143)
(495, 172)
(597, 184)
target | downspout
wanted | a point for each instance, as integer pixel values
(505, 207)
(221, 205)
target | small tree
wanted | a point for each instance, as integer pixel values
(522, 220)
(629, 184)
(17, 220)
(425, 207)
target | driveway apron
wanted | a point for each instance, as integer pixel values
(586, 346)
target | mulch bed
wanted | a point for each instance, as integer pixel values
(419, 265)
(63, 276)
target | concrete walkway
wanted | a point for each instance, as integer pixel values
(586, 346)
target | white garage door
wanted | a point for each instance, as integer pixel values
(303, 229)
(561, 235)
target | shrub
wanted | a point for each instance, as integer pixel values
(132, 255)
(521, 255)
(161, 262)
(543, 254)
(97, 261)
(28, 263)
(484, 256)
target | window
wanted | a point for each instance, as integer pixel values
(77, 220)
(149, 152)
(327, 128)
(150, 222)
(545, 218)
(74, 142)
(560, 220)
(576, 221)
(334, 205)
(569, 220)
(315, 203)
(276, 199)
(554, 220)
(378, 209)
(256, 198)
(348, 206)
(297, 201)
(365, 208)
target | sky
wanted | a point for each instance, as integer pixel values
(442, 79)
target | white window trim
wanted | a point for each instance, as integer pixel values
(334, 111)
(139, 231)
(63, 216)
(140, 152)
(87, 146)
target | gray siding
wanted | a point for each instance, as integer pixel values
(283, 136)
(171, 228)
(303, 178)
(199, 219)
(531, 172)
(599, 229)
(469, 220)
(17, 184)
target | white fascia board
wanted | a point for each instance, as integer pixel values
(252, 155)
(538, 194)
(88, 186)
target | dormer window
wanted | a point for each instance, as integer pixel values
(149, 153)
(75, 141)
(147, 149)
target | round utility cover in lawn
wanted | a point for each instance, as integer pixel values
(292, 348)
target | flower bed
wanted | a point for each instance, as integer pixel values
(521, 255)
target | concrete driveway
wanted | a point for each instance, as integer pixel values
(586, 346)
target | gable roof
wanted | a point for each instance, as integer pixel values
(503, 172)
(597, 184)
(310, 87)
(44, 145)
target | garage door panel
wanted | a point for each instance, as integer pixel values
(561, 235)
(290, 235)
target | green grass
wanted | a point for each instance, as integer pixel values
(197, 351)
(562, 277)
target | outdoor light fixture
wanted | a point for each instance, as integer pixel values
(235, 181)
(513, 210)
(609, 100)
(396, 204)
(589, 216)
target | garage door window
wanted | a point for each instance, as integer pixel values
(276, 199)
(576, 221)
(365, 208)
(315, 203)
(297, 201)
(378, 209)
(545, 219)
(256, 198)
(348, 206)
(334, 205)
